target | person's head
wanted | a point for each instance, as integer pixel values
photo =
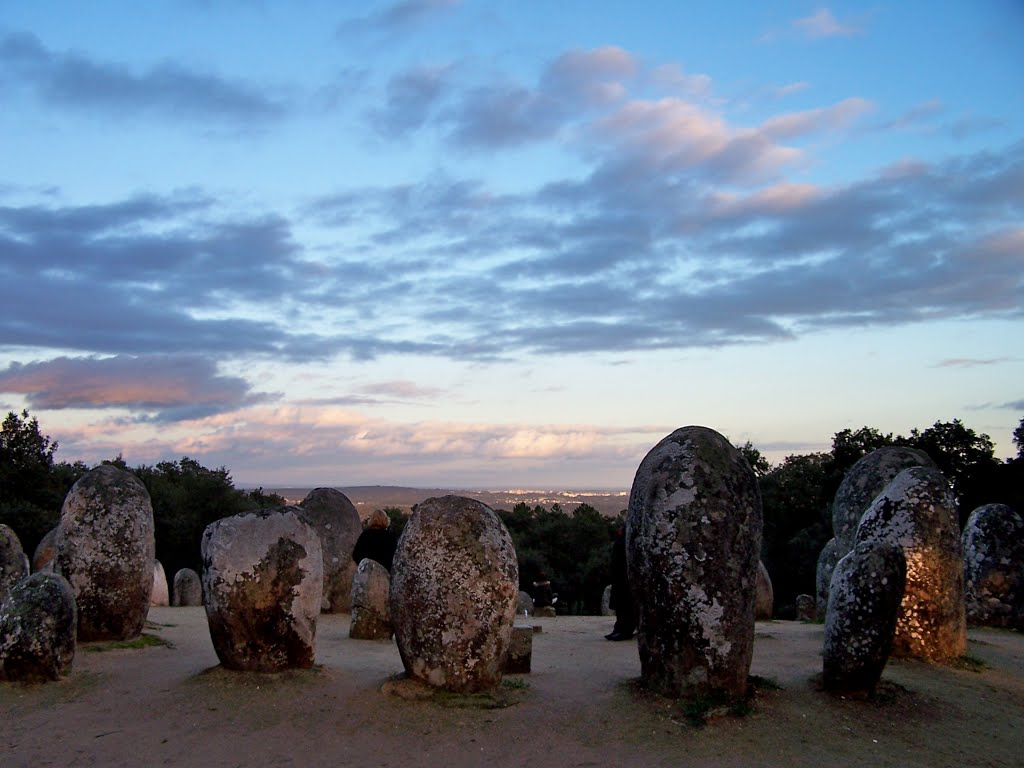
(379, 519)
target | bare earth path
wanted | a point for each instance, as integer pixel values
(172, 706)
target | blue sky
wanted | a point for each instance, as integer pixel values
(506, 244)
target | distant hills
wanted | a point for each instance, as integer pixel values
(367, 498)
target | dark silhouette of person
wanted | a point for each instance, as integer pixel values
(542, 594)
(621, 598)
(377, 541)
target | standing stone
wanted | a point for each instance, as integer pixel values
(524, 604)
(764, 603)
(336, 520)
(827, 561)
(693, 535)
(860, 622)
(12, 560)
(371, 611)
(806, 608)
(606, 601)
(863, 482)
(993, 544)
(46, 551)
(188, 589)
(520, 650)
(454, 587)
(105, 549)
(917, 512)
(262, 584)
(37, 629)
(159, 596)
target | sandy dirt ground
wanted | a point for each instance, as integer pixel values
(171, 705)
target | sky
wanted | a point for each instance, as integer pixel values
(506, 243)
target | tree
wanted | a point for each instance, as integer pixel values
(32, 485)
(1018, 439)
(755, 459)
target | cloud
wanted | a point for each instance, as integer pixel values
(822, 24)
(170, 387)
(972, 362)
(411, 97)
(397, 17)
(166, 90)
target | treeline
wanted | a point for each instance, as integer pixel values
(571, 549)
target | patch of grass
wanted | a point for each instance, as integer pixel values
(515, 683)
(969, 662)
(758, 683)
(142, 641)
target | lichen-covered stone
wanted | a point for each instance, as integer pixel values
(159, 596)
(863, 482)
(524, 604)
(860, 621)
(693, 537)
(520, 650)
(806, 608)
(827, 561)
(46, 551)
(262, 584)
(106, 550)
(917, 512)
(37, 629)
(993, 545)
(454, 587)
(606, 601)
(12, 560)
(188, 589)
(764, 604)
(336, 520)
(371, 608)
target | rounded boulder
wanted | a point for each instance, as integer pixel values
(917, 513)
(37, 629)
(993, 545)
(262, 584)
(106, 551)
(12, 560)
(860, 620)
(46, 551)
(371, 609)
(454, 589)
(336, 521)
(693, 538)
(188, 589)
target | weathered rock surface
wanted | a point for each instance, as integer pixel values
(806, 608)
(454, 588)
(765, 601)
(336, 521)
(827, 561)
(520, 650)
(606, 601)
(371, 609)
(693, 538)
(993, 545)
(46, 551)
(106, 550)
(37, 629)
(12, 560)
(188, 589)
(160, 595)
(524, 604)
(263, 583)
(860, 622)
(917, 513)
(863, 482)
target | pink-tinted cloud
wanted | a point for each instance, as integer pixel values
(822, 23)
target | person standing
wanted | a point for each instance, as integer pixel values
(621, 599)
(377, 541)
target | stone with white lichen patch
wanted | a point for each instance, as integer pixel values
(860, 622)
(37, 629)
(454, 589)
(917, 512)
(993, 546)
(188, 589)
(262, 584)
(371, 597)
(12, 560)
(336, 520)
(106, 551)
(693, 538)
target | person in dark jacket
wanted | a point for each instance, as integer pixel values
(621, 597)
(377, 542)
